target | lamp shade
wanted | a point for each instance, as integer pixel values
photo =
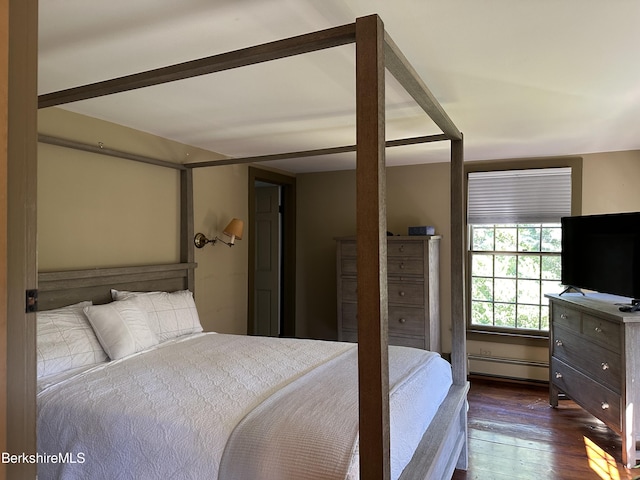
(234, 229)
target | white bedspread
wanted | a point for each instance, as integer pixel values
(169, 412)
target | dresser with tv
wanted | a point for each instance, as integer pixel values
(595, 361)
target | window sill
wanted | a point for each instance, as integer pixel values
(513, 338)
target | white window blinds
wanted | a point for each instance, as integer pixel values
(540, 195)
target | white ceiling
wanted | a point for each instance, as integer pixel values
(519, 78)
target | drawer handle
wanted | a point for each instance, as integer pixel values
(402, 266)
(401, 293)
(604, 405)
(558, 375)
(564, 316)
(401, 249)
(402, 320)
(598, 330)
(558, 343)
(604, 365)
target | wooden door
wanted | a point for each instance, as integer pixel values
(267, 261)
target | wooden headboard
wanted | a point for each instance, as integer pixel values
(57, 289)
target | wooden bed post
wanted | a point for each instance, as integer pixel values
(371, 228)
(458, 222)
(187, 249)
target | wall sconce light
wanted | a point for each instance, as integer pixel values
(233, 230)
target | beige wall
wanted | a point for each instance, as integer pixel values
(99, 211)
(81, 193)
(220, 194)
(419, 195)
(609, 183)
(416, 195)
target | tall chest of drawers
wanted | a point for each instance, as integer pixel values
(413, 290)
(595, 361)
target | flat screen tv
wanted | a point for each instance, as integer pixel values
(602, 253)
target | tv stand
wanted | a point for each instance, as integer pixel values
(595, 362)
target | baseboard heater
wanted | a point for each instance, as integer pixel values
(519, 368)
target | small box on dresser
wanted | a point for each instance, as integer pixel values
(595, 360)
(413, 290)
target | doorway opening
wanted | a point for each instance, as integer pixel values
(272, 211)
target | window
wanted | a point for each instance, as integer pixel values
(512, 267)
(514, 247)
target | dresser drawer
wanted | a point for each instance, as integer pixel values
(395, 266)
(595, 361)
(348, 249)
(567, 317)
(402, 320)
(406, 320)
(406, 293)
(602, 331)
(405, 249)
(394, 248)
(595, 398)
(415, 342)
(348, 265)
(405, 266)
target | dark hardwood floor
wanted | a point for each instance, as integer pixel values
(515, 435)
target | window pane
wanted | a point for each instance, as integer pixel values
(549, 286)
(551, 267)
(528, 266)
(528, 291)
(482, 289)
(528, 316)
(482, 239)
(482, 313)
(544, 317)
(529, 239)
(482, 265)
(505, 290)
(551, 239)
(505, 266)
(506, 239)
(505, 315)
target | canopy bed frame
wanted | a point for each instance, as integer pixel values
(443, 446)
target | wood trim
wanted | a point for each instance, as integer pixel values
(311, 42)
(438, 459)
(57, 289)
(288, 184)
(61, 142)
(4, 159)
(371, 228)
(21, 238)
(311, 153)
(458, 251)
(402, 70)
(187, 248)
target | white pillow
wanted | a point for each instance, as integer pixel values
(65, 340)
(121, 328)
(170, 315)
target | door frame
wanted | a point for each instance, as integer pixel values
(288, 294)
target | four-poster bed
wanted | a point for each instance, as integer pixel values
(443, 446)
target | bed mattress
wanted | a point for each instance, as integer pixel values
(227, 406)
